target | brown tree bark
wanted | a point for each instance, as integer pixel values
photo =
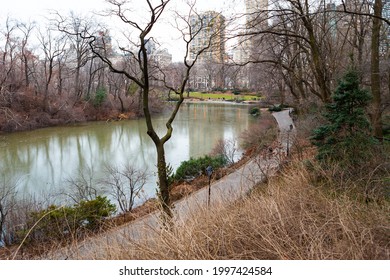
(375, 72)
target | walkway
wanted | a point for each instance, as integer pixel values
(226, 190)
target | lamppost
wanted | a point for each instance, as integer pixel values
(288, 139)
(209, 171)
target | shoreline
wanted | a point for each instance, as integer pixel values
(218, 101)
(115, 116)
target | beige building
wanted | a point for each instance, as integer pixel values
(162, 56)
(256, 13)
(210, 29)
(248, 44)
(256, 19)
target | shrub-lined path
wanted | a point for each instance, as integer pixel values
(225, 190)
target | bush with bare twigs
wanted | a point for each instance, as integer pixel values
(226, 148)
(7, 205)
(125, 184)
(259, 135)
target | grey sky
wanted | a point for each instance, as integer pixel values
(36, 10)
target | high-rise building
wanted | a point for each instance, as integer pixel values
(385, 42)
(386, 15)
(162, 56)
(256, 20)
(386, 9)
(150, 46)
(209, 28)
(241, 52)
(256, 13)
(104, 42)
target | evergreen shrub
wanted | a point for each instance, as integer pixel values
(100, 97)
(61, 223)
(346, 136)
(194, 167)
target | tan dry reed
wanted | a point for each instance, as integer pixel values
(287, 218)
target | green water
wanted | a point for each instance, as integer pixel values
(43, 160)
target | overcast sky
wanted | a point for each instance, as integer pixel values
(33, 8)
(37, 10)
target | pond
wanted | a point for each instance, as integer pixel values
(42, 161)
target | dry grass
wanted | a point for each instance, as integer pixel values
(289, 218)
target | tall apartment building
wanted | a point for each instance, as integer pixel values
(256, 19)
(386, 15)
(160, 56)
(210, 29)
(386, 9)
(163, 57)
(256, 13)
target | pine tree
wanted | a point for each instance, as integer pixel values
(346, 137)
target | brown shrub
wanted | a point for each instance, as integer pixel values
(260, 134)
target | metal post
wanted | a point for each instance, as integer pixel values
(288, 139)
(288, 143)
(208, 200)
(209, 171)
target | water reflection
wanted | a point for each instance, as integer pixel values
(46, 158)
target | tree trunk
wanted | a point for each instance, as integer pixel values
(26, 76)
(60, 85)
(375, 72)
(163, 183)
(317, 61)
(161, 169)
(121, 101)
(77, 80)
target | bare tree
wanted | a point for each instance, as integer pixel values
(125, 184)
(119, 88)
(25, 56)
(308, 44)
(375, 70)
(143, 75)
(8, 61)
(227, 148)
(374, 12)
(52, 49)
(78, 29)
(61, 62)
(82, 187)
(7, 204)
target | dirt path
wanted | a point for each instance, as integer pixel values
(226, 190)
